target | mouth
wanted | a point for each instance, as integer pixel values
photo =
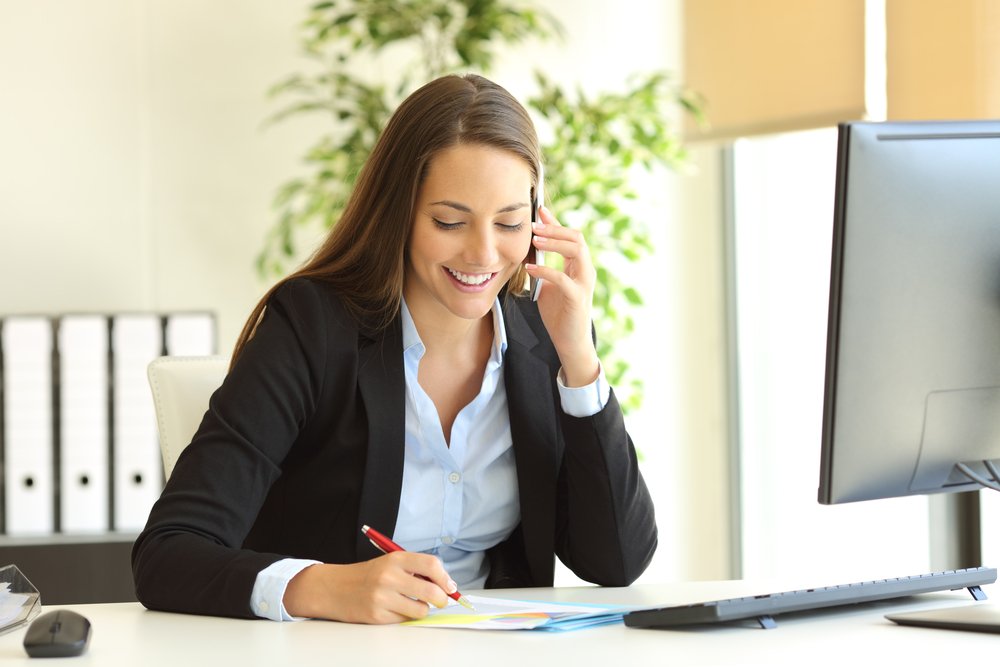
(470, 281)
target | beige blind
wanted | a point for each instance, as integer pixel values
(775, 65)
(943, 59)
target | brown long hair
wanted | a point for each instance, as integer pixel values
(364, 255)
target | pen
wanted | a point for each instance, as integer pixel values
(385, 545)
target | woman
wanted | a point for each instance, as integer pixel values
(401, 379)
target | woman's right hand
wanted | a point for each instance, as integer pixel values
(386, 589)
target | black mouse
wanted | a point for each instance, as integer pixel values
(57, 634)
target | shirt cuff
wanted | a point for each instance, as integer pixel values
(269, 588)
(585, 401)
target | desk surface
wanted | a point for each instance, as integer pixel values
(127, 634)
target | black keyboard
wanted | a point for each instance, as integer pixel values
(764, 607)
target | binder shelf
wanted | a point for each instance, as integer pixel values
(78, 439)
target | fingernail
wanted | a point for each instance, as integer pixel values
(452, 587)
(538, 225)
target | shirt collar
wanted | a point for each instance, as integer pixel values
(411, 339)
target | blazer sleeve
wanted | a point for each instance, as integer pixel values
(605, 524)
(190, 558)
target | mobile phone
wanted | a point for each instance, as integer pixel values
(536, 205)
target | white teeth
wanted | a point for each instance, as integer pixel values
(470, 279)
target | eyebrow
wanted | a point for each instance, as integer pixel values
(465, 209)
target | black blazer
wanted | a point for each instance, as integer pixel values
(303, 444)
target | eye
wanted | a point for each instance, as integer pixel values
(441, 224)
(511, 228)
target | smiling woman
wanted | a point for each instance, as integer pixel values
(402, 379)
(470, 235)
(471, 232)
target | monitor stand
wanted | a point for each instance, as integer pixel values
(975, 618)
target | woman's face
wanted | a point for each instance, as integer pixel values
(471, 230)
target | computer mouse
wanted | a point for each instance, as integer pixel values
(57, 634)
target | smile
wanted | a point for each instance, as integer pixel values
(471, 279)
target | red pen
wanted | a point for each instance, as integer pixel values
(385, 545)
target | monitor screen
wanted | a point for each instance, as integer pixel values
(913, 348)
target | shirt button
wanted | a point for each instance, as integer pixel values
(263, 606)
(447, 539)
(454, 477)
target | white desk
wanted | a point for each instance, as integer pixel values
(126, 634)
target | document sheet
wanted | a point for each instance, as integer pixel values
(503, 614)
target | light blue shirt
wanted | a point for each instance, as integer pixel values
(456, 501)
(460, 497)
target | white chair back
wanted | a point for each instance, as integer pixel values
(181, 388)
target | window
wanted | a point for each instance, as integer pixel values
(783, 189)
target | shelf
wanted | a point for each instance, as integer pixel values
(74, 569)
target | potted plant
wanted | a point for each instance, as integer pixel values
(594, 141)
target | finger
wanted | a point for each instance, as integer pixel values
(549, 275)
(570, 248)
(429, 581)
(425, 591)
(409, 606)
(551, 228)
(392, 606)
(548, 218)
(554, 231)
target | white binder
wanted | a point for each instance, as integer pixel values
(138, 471)
(28, 441)
(190, 335)
(83, 423)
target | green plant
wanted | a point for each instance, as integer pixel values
(595, 142)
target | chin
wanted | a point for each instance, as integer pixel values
(473, 310)
(471, 305)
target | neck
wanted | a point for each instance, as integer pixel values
(453, 335)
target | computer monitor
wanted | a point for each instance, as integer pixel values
(913, 351)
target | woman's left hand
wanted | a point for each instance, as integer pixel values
(566, 298)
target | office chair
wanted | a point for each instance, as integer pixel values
(181, 388)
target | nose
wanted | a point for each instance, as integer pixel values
(481, 248)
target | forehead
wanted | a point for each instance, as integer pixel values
(474, 171)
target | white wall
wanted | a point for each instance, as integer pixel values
(135, 175)
(72, 151)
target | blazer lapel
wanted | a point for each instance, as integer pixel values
(382, 384)
(532, 408)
